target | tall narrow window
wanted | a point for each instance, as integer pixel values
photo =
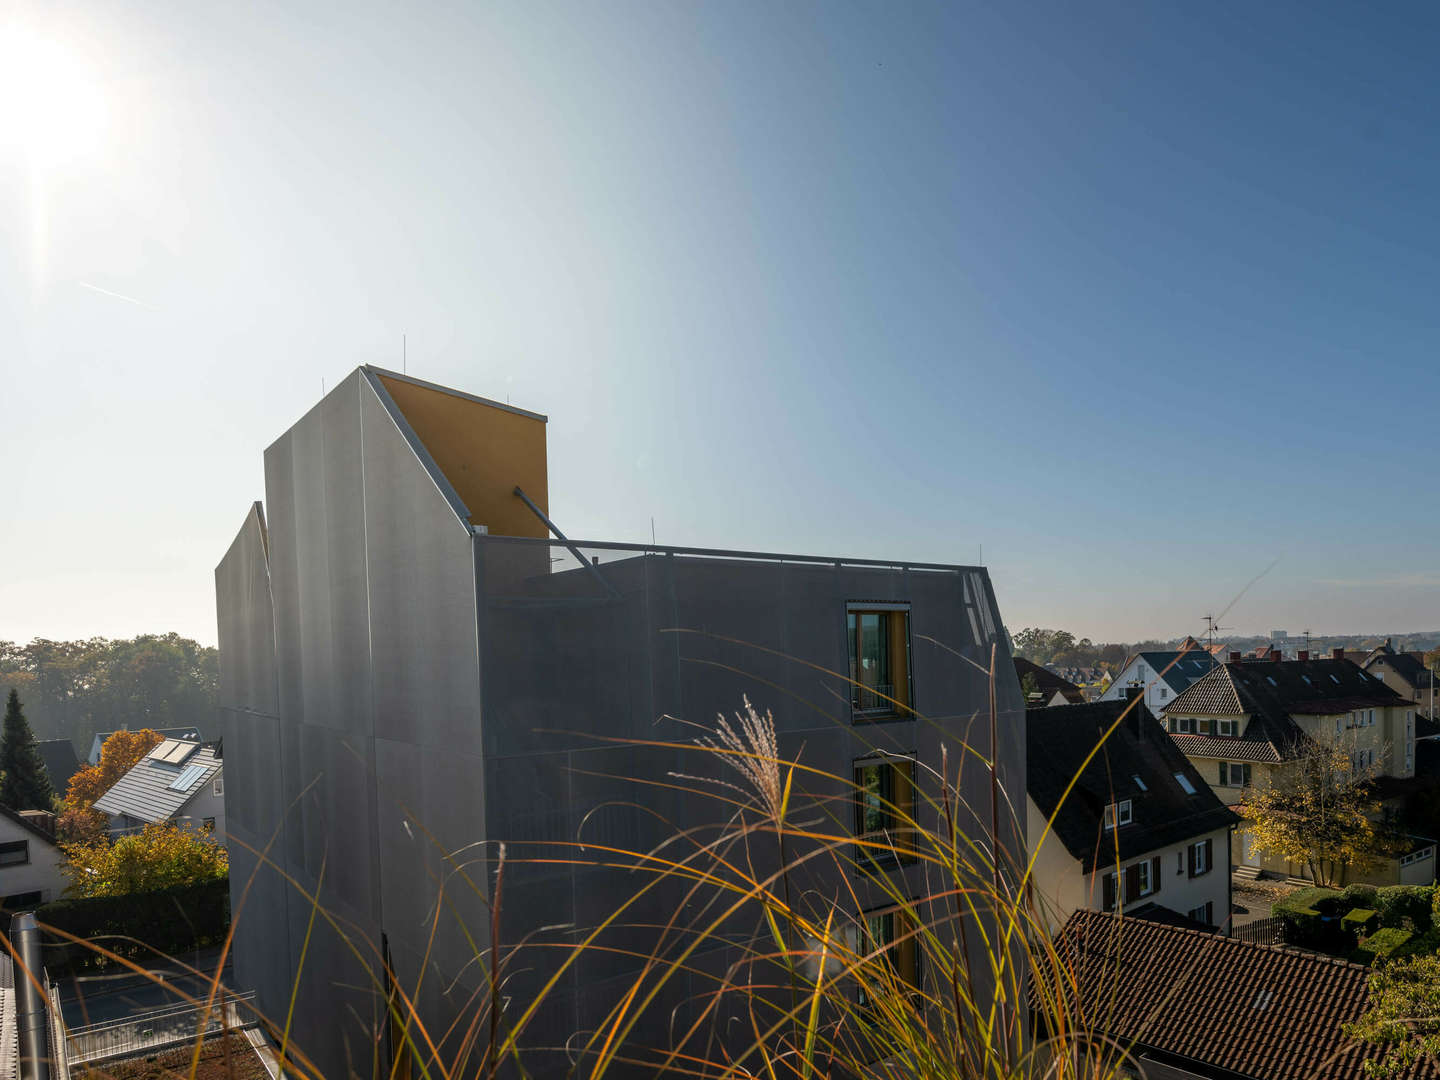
(879, 659)
(892, 932)
(885, 810)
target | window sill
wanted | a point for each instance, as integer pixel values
(879, 716)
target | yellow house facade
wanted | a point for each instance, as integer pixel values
(1243, 724)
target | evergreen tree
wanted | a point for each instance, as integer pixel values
(23, 785)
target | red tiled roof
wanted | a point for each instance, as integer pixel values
(1208, 746)
(1256, 1011)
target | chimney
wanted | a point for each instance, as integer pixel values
(1139, 713)
(1337, 654)
(1276, 655)
(1304, 654)
(1234, 657)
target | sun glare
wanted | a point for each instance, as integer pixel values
(52, 107)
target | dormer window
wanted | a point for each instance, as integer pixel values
(1118, 814)
(1227, 727)
(1183, 725)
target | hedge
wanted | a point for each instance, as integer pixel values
(168, 921)
(1360, 921)
(1361, 895)
(1405, 907)
(1380, 945)
(1303, 914)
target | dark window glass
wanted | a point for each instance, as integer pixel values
(879, 643)
(15, 853)
(885, 808)
(891, 931)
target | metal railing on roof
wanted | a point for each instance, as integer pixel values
(159, 1029)
(726, 553)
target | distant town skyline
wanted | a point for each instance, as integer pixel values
(1139, 300)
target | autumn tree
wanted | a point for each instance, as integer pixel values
(24, 784)
(1317, 810)
(158, 857)
(120, 753)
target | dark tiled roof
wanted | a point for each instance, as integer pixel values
(1180, 669)
(1214, 1003)
(1234, 749)
(1271, 692)
(1049, 683)
(1057, 741)
(60, 763)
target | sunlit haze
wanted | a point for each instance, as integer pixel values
(1141, 300)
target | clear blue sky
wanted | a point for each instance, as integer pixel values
(1139, 297)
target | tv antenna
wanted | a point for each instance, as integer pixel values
(1213, 627)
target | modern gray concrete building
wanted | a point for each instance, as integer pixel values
(413, 672)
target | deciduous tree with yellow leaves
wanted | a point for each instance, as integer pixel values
(157, 857)
(1317, 810)
(120, 753)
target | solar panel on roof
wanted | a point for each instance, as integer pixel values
(190, 774)
(174, 751)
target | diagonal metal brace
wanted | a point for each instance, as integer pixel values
(579, 556)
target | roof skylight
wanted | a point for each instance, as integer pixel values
(188, 776)
(1184, 782)
(1139, 783)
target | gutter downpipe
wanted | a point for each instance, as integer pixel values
(32, 1016)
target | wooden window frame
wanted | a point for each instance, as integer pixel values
(901, 922)
(900, 658)
(899, 835)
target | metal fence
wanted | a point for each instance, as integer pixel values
(158, 1029)
(1260, 932)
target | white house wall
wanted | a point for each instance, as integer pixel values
(41, 874)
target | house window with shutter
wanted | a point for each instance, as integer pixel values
(1136, 881)
(1226, 727)
(1200, 857)
(1234, 774)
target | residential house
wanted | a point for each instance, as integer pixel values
(60, 763)
(1406, 674)
(1194, 1006)
(1050, 689)
(411, 666)
(1244, 722)
(31, 862)
(1162, 674)
(1138, 829)
(190, 733)
(178, 781)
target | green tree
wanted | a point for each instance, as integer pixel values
(74, 688)
(157, 857)
(23, 782)
(1028, 686)
(1402, 1014)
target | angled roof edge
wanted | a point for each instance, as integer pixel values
(372, 369)
(371, 376)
